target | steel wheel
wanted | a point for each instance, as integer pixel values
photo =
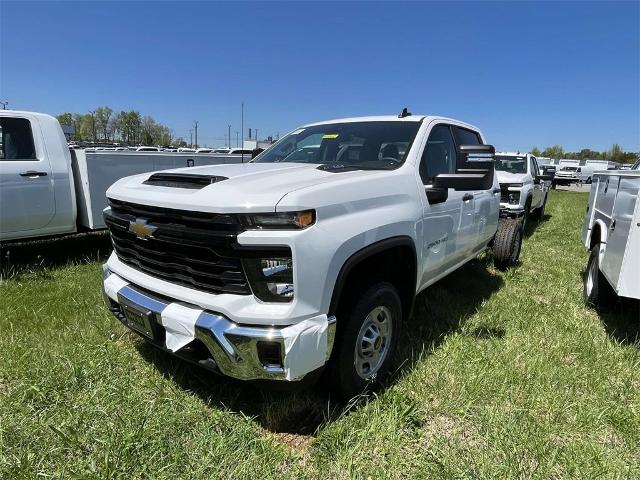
(373, 342)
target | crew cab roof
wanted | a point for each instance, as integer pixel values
(394, 118)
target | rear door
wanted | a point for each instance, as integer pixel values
(27, 200)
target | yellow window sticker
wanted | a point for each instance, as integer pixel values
(327, 136)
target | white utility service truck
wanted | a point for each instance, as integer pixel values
(523, 188)
(309, 256)
(611, 231)
(46, 189)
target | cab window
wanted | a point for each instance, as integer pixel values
(466, 137)
(438, 155)
(16, 139)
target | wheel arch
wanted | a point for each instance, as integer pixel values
(369, 258)
(598, 234)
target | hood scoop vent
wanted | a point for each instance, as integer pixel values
(182, 180)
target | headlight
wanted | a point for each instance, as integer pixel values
(271, 279)
(282, 221)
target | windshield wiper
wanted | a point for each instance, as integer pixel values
(349, 167)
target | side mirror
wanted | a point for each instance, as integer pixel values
(477, 172)
(545, 177)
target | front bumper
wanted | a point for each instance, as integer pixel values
(211, 340)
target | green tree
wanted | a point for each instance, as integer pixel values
(555, 151)
(102, 117)
(535, 151)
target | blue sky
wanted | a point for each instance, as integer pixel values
(526, 73)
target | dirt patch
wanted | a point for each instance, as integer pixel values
(293, 441)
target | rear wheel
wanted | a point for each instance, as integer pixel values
(507, 244)
(596, 291)
(365, 341)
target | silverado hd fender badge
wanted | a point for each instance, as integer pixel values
(141, 228)
(435, 246)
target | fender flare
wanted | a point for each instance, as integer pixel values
(361, 255)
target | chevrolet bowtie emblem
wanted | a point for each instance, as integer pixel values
(141, 228)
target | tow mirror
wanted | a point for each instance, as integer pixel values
(546, 177)
(477, 172)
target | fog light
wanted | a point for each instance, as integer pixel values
(271, 279)
(514, 198)
(269, 354)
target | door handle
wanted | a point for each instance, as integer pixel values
(613, 226)
(33, 173)
(467, 197)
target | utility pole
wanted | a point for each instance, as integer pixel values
(237, 139)
(190, 138)
(4, 105)
(229, 137)
(195, 125)
(257, 138)
(242, 128)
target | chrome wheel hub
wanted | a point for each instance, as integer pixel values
(373, 342)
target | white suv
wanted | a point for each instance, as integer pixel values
(523, 189)
(276, 268)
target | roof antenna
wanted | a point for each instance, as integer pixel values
(404, 113)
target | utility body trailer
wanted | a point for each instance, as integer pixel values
(611, 230)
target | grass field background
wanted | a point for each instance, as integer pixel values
(499, 375)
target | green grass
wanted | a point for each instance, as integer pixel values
(503, 375)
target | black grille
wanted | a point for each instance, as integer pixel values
(194, 249)
(504, 194)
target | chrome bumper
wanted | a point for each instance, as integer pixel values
(229, 348)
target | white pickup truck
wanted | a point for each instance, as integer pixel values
(277, 268)
(47, 190)
(611, 230)
(523, 188)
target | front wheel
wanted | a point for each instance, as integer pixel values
(366, 339)
(507, 244)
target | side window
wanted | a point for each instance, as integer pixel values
(535, 170)
(466, 137)
(438, 155)
(16, 139)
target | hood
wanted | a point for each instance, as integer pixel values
(507, 177)
(246, 187)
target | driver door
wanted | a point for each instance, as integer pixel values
(447, 220)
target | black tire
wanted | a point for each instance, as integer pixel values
(346, 376)
(507, 244)
(596, 290)
(538, 213)
(589, 181)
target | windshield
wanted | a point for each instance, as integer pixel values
(569, 169)
(360, 145)
(511, 164)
